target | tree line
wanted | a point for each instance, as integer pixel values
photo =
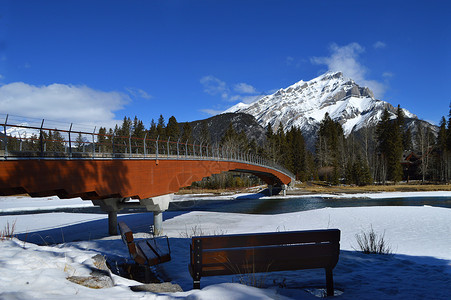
(383, 153)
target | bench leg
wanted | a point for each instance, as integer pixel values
(329, 282)
(196, 284)
(147, 274)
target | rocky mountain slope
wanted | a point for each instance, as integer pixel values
(304, 105)
(217, 126)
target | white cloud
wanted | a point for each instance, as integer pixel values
(346, 60)
(388, 74)
(60, 102)
(379, 45)
(138, 93)
(246, 99)
(244, 88)
(211, 112)
(242, 92)
(289, 60)
(215, 86)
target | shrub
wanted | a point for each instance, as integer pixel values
(8, 231)
(372, 243)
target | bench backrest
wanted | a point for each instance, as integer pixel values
(127, 237)
(268, 238)
(262, 252)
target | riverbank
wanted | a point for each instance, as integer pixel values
(319, 188)
(313, 188)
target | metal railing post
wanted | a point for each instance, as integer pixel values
(168, 145)
(20, 144)
(41, 139)
(70, 142)
(130, 144)
(6, 138)
(144, 142)
(186, 149)
(112, 145)
(178, 142)
(93, 143)
(156, 150)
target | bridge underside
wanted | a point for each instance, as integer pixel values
(103, 179)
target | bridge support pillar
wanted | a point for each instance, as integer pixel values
(112, 223)
(284, 189)
(157, 205)
(111, 206)
(157, 223)
(270, 189)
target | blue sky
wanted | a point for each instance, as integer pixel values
(86, 61)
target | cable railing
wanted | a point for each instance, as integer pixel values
(24, 141)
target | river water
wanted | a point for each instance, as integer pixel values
(257, 204)
(279, 205)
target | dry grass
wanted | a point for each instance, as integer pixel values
(319, 187)
(186, 191)
(372, 243)
(8, 231)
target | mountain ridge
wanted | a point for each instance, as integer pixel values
(304, 104)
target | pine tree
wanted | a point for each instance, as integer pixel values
(187, 133)
(138, 129)
(330, 148)
(390, 148)
(153, 133)
(441, 144)
(161, 129)
(102, 140)
(79, 142)
(173, 129)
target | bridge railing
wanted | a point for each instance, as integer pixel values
(23, 141)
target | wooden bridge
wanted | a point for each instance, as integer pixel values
(146, 174)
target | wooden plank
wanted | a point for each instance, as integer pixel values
(159, 245)
(151, 257)
(270, 238)
(138, 256)
(265, 252)
(126, 233)
(271, 253)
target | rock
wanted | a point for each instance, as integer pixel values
(93, 282)
(100, 276)
(100, 262)
(165, 287)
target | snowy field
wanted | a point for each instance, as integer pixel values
(420, 238)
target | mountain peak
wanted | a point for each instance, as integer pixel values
(305, 103)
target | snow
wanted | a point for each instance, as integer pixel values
(419, 237)
(304, 102)
(236, 107)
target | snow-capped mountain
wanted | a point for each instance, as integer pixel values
(20, 132)
(304, 105)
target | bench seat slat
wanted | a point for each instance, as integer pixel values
(151, 257)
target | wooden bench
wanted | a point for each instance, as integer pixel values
(146, 251)
(265, 252)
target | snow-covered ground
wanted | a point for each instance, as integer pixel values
(420, 238)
